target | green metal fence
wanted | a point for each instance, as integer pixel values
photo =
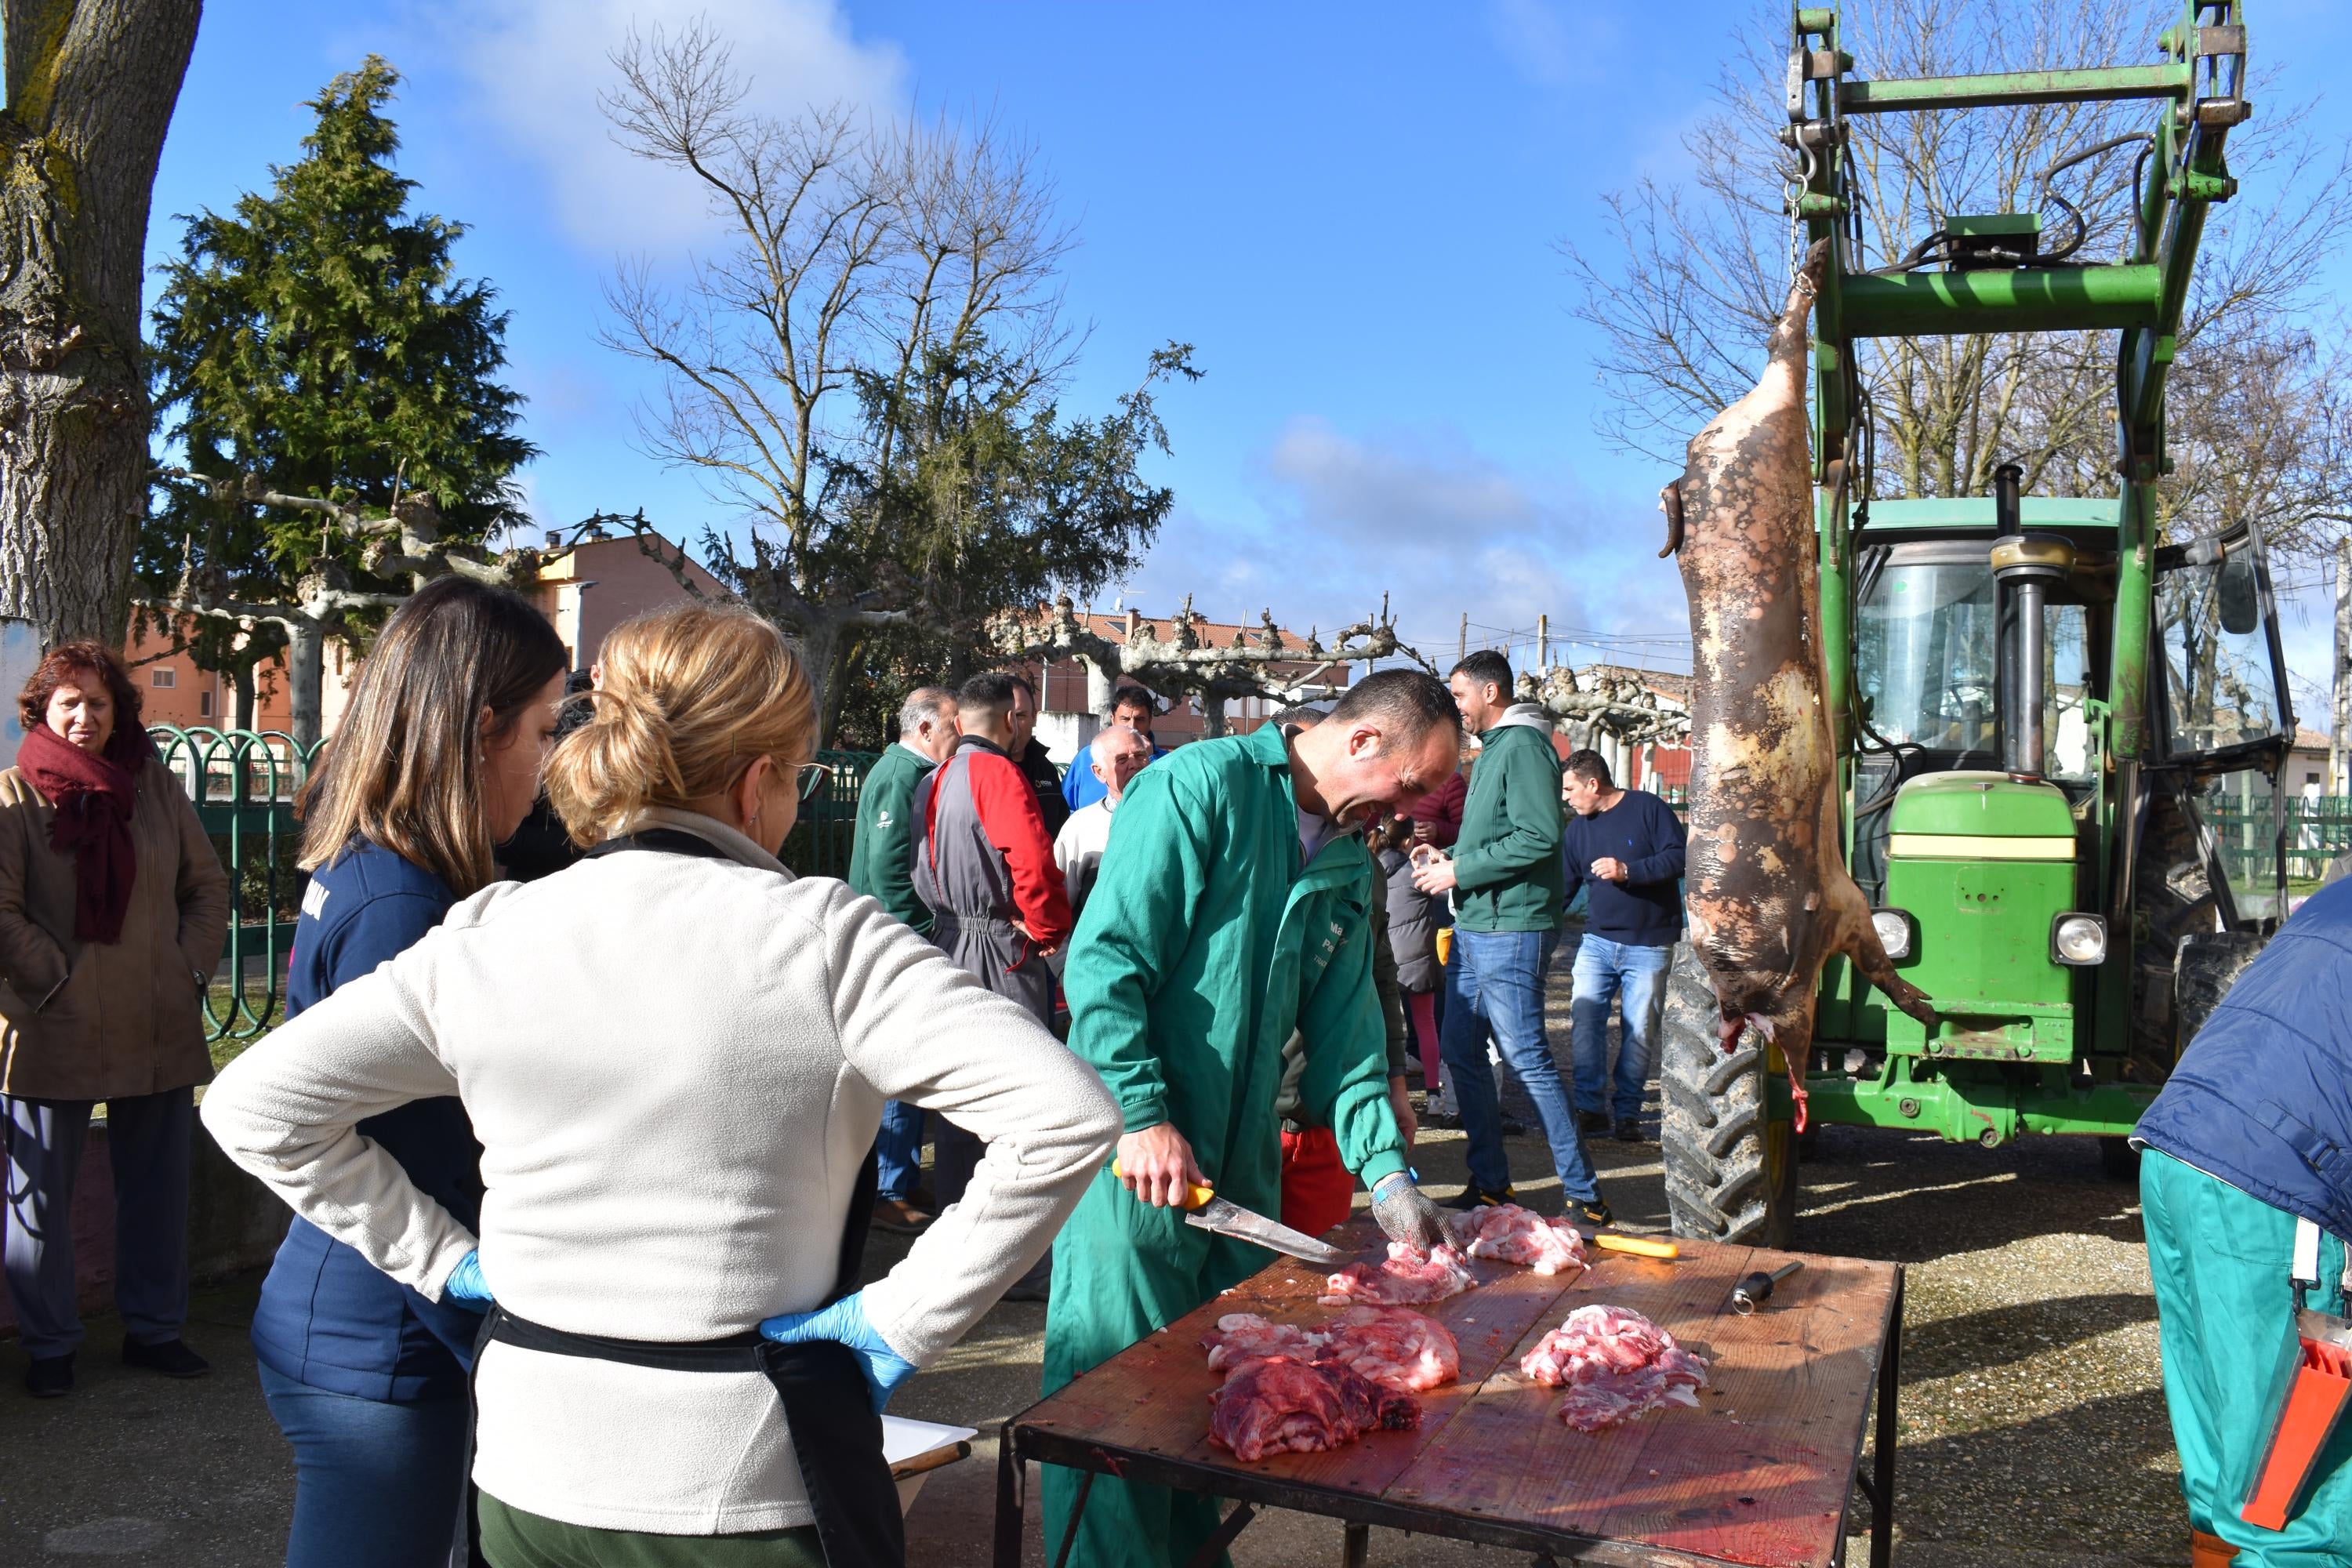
(2318, 829)
(820, 843)
(243, 783)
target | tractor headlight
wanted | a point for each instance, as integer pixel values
(2078, 941)
(1894, 928)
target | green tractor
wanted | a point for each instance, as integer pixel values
(2060, 736)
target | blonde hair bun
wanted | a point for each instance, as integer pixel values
(688, 698)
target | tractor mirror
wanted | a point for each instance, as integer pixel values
(2237, 599)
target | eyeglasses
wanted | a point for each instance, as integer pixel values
(812, 777)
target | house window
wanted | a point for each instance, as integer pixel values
(204, 704)
(2311, 778)
(163, 676)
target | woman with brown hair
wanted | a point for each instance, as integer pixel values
(675, 1055)
(112, 910)
(437, 762)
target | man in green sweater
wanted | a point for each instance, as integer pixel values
(1506, 877)
(1232, 907)
(882, 867)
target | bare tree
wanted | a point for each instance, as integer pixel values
(860, 357)
(1701, 266)
(90, 87)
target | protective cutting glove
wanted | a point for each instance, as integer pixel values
(466, 1285)
(1406, 1214)
(845, 1323)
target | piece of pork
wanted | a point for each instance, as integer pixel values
(1510, 1234)
(1616, 1364)
(1766, 884)
(1277, 1405)
(1410, 1276)
(1395, 1347)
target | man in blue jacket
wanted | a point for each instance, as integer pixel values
(2250, 1143)
(1626, 846)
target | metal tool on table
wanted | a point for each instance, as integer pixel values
(1210, 1212)
(1756, 1288)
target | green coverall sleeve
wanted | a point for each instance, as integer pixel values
(1345, 1086)
(1132, 932)
(893, 868)
(1531, 806)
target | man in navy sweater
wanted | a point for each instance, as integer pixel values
(1626, 848)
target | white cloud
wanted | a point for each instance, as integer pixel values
(1440, 527)
(537, 66)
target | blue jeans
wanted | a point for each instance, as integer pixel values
(377, 1485)
(1494, 983)
(1636, 976)
(898, 1150)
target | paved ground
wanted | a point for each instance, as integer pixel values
(2033, 1430)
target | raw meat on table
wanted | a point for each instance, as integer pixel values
(1615, 1364)
(1510, 1234)
(1395, 1347)
(1276, 1404)
(1410, 1276)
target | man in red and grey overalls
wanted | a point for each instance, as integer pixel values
(984, 863)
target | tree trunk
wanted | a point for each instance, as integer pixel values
(306, 678)
(242, 674)
(91, 86)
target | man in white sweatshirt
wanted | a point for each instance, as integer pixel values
(1118, 754)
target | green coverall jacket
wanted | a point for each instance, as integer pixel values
(1203, 945)
(882, 855)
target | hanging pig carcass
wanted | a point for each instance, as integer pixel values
(1766, 888)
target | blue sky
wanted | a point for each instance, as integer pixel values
(1353, 212)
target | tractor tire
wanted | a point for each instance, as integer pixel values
(1731, 1172)
(2119, 1161)
(2172, 901)
(2210, 963)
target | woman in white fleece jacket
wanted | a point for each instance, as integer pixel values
(676, 1055)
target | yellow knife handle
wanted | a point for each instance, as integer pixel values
(1195, 1196)
(1639, 1246)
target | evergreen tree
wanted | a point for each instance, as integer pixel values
(315, 346)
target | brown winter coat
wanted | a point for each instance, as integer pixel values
(91, 1020)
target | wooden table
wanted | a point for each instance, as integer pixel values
(1759, 1474)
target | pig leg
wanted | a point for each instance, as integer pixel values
(1852, 934)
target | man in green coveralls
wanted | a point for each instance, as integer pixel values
(882, 867)
(1232, 906)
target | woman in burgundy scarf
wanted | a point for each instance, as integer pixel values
(112, 911)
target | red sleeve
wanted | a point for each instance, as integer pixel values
(1442, 809)
(1007, 803)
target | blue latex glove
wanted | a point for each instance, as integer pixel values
(466, 1285)
(845, 1322)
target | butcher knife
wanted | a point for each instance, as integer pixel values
(1210, 1212)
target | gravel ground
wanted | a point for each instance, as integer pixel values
(2033, 1430)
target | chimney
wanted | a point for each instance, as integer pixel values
(554, 540)
(1134, 619)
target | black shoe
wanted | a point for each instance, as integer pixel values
(1595, 1213)
(1477, 1197)
(49, 1376)
(1629, 1129)
(1511, 1127)
(1592, 1123)
(1446, 1121)
(173, 1358)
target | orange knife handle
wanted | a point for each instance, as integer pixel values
(1639, 1246)
(1195, 1196)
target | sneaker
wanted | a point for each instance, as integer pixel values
(900, 1217)
(1595, 1213)
(1592, 1123)
(1474, 1197)
(49, 1376)
(1443, 1117)
(1628, 1130)
(1511, 1126)
(171, 1357)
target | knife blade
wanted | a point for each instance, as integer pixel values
(1229, 1219)
(1226, 1217)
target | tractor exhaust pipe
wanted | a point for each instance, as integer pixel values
(2025, 566)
